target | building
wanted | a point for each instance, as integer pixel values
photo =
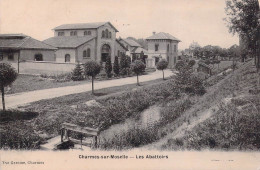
(202, 67)
(85, 41)
(135, 50)
(162, 46)
(19, 48)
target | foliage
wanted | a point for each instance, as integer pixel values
(7, 76)
(116, 68)
(138, 67)
(162, 64)
(77, 73)
(192, 63)
(91, 68)
(179, 65)
(19, 136)
(243, 18)
(188, 82)
(108, 67)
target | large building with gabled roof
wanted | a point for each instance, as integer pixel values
(85, 41)
(162, 46)
(17, 48)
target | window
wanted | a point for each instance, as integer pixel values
(60, 33)
(38, 57)
(106, 33)
(85, 32)
(103, 34)
(73, 33)
(88, 52)
(89, 32)
(109, 35)
(168, 48)
(156, 47)
(84, 54)
(175, 48)
(10, 57)
(67, 58)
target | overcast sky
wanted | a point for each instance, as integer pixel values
(187, 20)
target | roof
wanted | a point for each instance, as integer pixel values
(131, 42)
(122, 45)
(162, 36)
(139, 50)
(68, 41)
(21, 41)
(83, 26)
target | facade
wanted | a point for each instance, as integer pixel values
(135, 50)
(84, 42)
(162, 46)
(19, 48)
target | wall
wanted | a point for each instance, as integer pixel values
(92, 45)
(50, 68)
(61, 52)
(102, 41)
(48, 55)
(79, 32)
(162, 51)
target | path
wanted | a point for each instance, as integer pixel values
(15, 100)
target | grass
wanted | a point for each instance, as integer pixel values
(232, 126)
(25, 83)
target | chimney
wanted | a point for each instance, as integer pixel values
(154, 33)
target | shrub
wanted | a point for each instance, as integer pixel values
(92, 69)
(116, 68)
(77, 73)
(108, 67)
(138, 67)
(162, 65)
(7, 76)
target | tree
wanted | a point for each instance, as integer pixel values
(7, 76)
(116, 68)
(123, 65)
(162, 65)
(92, 68)
(243, 18)
(77, 73)
(137, 67)
(108, 67)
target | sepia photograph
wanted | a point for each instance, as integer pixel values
(129, 84)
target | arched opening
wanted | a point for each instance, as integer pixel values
(67, 58)
(89, 32)
(84, 54)
(106, 33)
(105, 52)
(103, 34)
(38, 57)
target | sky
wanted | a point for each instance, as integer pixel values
(188, 20)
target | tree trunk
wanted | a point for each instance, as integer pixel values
(137, 80)
(163, 74)
(3, 97)
(92, 84)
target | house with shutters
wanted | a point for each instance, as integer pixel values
(79, 43)
(162, 46)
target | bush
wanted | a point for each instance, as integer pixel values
(116, 68)
(108, 67)
(77, 73)
(162, 65)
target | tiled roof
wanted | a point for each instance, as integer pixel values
(20, 41)
(68, 41)
(131, 42)
(139, 50)
(122, 45)
(83, 26)
(162, 36)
